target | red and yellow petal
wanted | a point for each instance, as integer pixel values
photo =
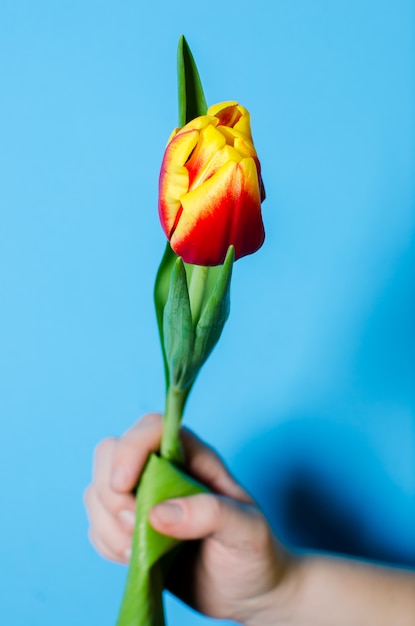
(228, 116)
(174, 178)
(210, 154)
(225, 210)
(210, 144)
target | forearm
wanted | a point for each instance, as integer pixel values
(328, 591)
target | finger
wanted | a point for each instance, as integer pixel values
(104, 550)
(120, 507)
(103, 461)
(103, 458)
(205, 515)
(132, 450)
(107, 533)
(204, 464)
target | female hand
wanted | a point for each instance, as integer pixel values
(232, 567)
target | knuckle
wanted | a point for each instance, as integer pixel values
(216, 506)
(109, 542)
(103, 451)
(88, 496)
(91, 537)
(204, 465)
(119, 543)
(151, 419)
(262, 535)
(148, 421)
(122, 548)
(104, 447)
(95, 541)
(147, 428)
(102, 549)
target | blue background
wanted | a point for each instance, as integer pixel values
(310, 394)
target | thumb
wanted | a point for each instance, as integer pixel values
(206, 515)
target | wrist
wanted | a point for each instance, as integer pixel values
(277, 606)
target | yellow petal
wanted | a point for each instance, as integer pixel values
(245, 147)
(234, 136)
(243, 125)
(216, 108)
(210, 143)
(199, 122)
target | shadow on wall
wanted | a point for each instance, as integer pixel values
(322, 487)
(346, 482)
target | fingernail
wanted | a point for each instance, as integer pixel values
(169, 512)
(127, 517)
(119, 478)
(127, 554)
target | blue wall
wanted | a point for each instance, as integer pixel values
(310, 394)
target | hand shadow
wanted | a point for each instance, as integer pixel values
(322, 487)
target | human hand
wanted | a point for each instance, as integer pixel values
(232, 567)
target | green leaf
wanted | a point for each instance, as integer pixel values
(192, 102)
(187, 347)
(178, 329)
(142, 604)
(161, 292)
(215, 313)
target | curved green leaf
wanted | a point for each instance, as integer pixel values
(214, 314)
(178, 328)
(192, 102)
(142, 603)
(161, 293)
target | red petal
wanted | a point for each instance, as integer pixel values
(224, 210)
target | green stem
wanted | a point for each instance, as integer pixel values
(197, 289)
(171, 448)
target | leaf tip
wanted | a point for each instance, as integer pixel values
(230, 256)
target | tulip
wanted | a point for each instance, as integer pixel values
(210, 188)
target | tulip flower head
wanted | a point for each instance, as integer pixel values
(210, 188)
